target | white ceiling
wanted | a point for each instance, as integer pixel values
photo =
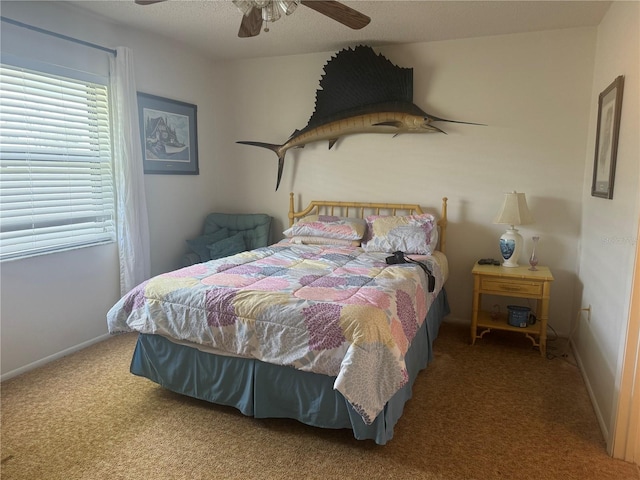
(211, 26)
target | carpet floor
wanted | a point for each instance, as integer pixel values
(496, 410)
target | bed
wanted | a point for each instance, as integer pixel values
(317, 327)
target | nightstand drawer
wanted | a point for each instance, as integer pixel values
(509, 286)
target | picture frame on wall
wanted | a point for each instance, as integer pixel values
(608, 130)
(168, 131)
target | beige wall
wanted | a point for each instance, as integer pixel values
(536, 92)
(54, 304)
(532, 90)
(608, 238)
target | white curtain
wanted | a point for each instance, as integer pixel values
(132, 224)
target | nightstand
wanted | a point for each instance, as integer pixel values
(512, 282)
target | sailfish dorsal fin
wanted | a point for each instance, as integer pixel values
(357, 77)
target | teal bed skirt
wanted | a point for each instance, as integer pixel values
(264, 390)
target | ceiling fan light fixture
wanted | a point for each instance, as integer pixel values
(245, 6)
(258, 13)
(288, 6)
(271, 12)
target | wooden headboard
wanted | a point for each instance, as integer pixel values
(362, 209)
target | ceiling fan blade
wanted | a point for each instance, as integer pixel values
(148, 2)
(251, 23)
(339, 12)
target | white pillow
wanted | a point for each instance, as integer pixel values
(411, 234)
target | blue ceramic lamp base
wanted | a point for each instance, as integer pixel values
(510, 247)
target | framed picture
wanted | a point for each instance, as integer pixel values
(604, 165)
(168, 134)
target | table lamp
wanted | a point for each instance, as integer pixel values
(514, 212)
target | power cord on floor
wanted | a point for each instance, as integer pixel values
(564, 355)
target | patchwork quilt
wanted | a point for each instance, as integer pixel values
(332, 310)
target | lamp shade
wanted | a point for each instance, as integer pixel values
(514, 211)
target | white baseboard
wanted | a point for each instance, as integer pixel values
(596, 407)
(51, 358)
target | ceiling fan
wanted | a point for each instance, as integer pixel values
(257, 12)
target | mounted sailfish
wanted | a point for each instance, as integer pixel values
(360, 92)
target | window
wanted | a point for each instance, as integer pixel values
(56, 182)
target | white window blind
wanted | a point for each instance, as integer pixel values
(56, 182)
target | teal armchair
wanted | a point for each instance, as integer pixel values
(226, 234)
